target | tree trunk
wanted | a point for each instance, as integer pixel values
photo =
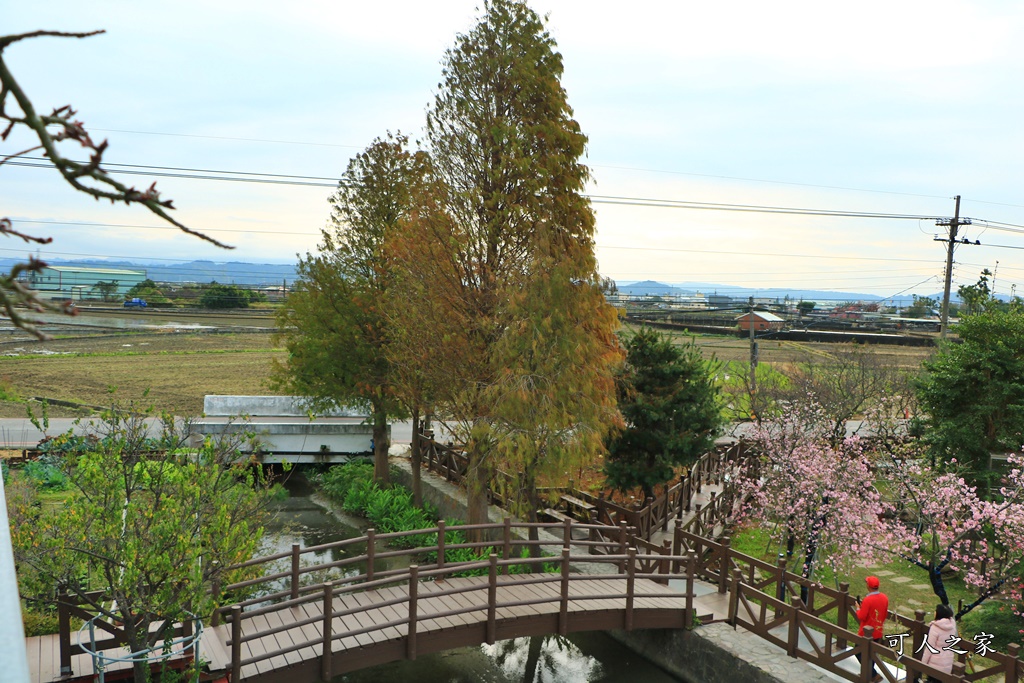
(532, 505)
(135, 635)
(381, 446)
(530, 671)
(477, 481)
(938, 586)
(415, 458)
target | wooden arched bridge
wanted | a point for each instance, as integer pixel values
(311, 631)
(294, 621)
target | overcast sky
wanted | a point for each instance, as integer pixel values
(890, 107)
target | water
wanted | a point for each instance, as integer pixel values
(309, 519)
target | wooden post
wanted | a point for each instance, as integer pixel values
(236, 643)
(865, 658)
(959, 670)
(295, 571)
(918, 632)
(506, 543)
(780, 582)
(325, 648)
(64, 624)
(1013, 667)
(371, 550)
(723, 564)
(440, 543)
(677, 547)
(622, 543)
(734, 597)
(563, 606)
(691, 570)
(843, 612)
(492, 598)
(663, 564)
(794, 627)
(630, 580)
(414, 583)
(567, 533)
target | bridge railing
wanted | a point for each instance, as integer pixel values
(649, 516)
(756, 585)
(626, 565)
(368, 566)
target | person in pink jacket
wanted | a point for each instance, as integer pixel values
(939, 633)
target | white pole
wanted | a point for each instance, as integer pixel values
(13, 659)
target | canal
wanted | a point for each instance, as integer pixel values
(309, 519)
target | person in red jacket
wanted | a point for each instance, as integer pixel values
(872, 611)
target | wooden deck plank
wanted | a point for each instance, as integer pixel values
(310, 633)
(432, 605)
(374, 614)
(284, 639)
(393, 612)
(264, 644)
(443, 603)
(212, 647)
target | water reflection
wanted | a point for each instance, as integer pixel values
(309, 519)
(577, 658)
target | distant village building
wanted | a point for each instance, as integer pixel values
(78, 284)
(763, 321)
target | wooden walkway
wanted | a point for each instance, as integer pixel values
(375, 634)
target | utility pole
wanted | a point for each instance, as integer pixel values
(753, 356)
(953, 223)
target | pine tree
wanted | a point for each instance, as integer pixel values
(668, 398)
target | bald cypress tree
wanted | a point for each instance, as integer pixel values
(334, 324)
(510, 258)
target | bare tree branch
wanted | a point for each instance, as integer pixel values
(88, 177)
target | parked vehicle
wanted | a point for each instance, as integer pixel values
(135, 303)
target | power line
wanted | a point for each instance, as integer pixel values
(772, 182)
(765, 253)
(597, 246)
(318, 181)
(161, 227)
(753, 208)
(225, 137)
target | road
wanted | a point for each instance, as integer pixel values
(20, 433)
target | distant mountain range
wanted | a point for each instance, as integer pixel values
(238, 273)
(654, 288)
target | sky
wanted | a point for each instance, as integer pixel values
(868, 107)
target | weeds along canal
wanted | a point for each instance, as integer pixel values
(308, 518)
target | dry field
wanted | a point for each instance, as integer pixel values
(178, 369)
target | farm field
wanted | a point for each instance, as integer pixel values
(178, 369)
(179, 366)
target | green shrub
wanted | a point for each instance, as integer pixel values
(39, 623)
(46, 474)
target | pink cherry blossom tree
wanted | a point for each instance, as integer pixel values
(812, 492)
(952, 528)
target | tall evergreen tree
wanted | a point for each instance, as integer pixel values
(509, 257)
(334, 323)
(973, 394)
(668, 398)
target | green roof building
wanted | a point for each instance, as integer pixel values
(80, 284)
